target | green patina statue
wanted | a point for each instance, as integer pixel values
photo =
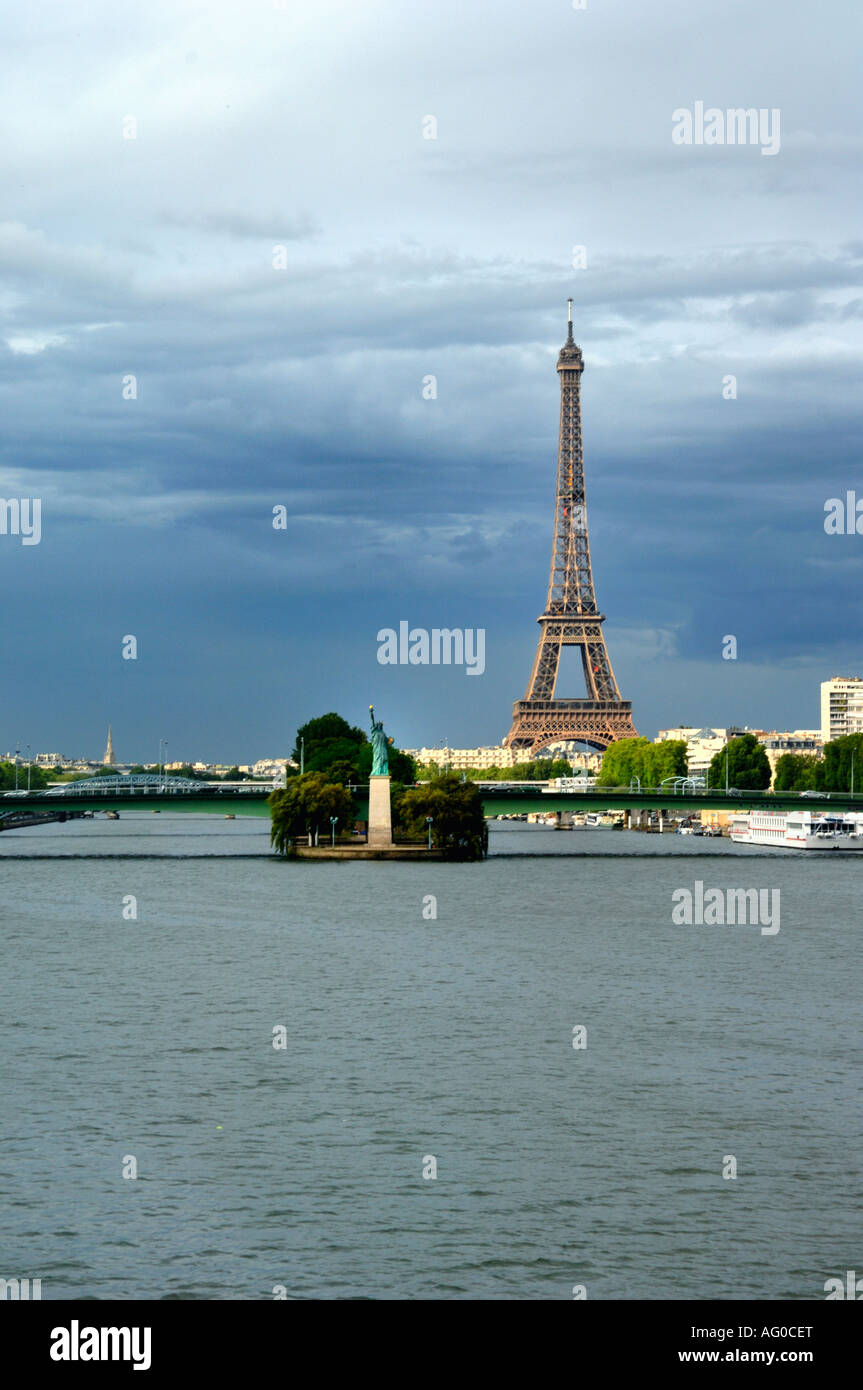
(380, 749)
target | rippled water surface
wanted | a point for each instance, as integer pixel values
(409, 1037)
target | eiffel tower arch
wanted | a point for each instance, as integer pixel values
(571, 617)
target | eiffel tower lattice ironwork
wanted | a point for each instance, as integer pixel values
(571, 617)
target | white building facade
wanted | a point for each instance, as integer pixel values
(841, 707)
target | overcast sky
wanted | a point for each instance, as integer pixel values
(303, 127)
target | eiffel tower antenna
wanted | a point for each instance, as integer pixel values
(571, 616)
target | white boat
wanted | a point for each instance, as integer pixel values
(799, 829)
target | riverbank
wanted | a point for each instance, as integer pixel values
(400, 852)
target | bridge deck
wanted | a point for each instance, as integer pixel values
(496, 801)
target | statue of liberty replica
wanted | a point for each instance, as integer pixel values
(380, 747)
(380, 815)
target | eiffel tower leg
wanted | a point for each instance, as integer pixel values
(543, 677)
(598, 675)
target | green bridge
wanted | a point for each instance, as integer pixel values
(180, 795)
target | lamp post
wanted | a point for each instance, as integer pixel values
(17, 751)
(443, 745)
(302, 756)
(28, 771)
(333, 820)
(429, 820)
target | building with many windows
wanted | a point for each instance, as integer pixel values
(701, 744)
(497, 756)
(458, 758)
(841, 707)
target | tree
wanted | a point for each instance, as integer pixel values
(798, 772)
(837, 763)
(343, 772)
(748, 765)
(650, 762)
(458, 822)
(667, 759)
(38, 777)
(326, 739)
(305, 806)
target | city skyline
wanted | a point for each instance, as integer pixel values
(147, 250)
(841, 713)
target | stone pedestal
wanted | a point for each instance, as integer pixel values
(380, 816)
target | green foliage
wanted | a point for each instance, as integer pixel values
(38, 777)
(343, 752)
(652, 763)
(343, 772)
(798, 772)
(306, 804)
(232, 775)
(538, 770)
(326, 740)
(560, 768)
(323, 755)
(458, 822)
(748, 765)
(837, 763)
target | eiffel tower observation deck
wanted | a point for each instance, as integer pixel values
(571, 616)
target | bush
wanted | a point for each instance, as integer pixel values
(458, 823)
(305, 805)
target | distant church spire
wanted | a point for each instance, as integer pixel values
(108, 760)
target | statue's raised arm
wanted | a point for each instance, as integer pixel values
(380, 751)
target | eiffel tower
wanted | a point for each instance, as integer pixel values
(571, 618)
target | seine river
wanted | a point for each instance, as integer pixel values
(415, 1042)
